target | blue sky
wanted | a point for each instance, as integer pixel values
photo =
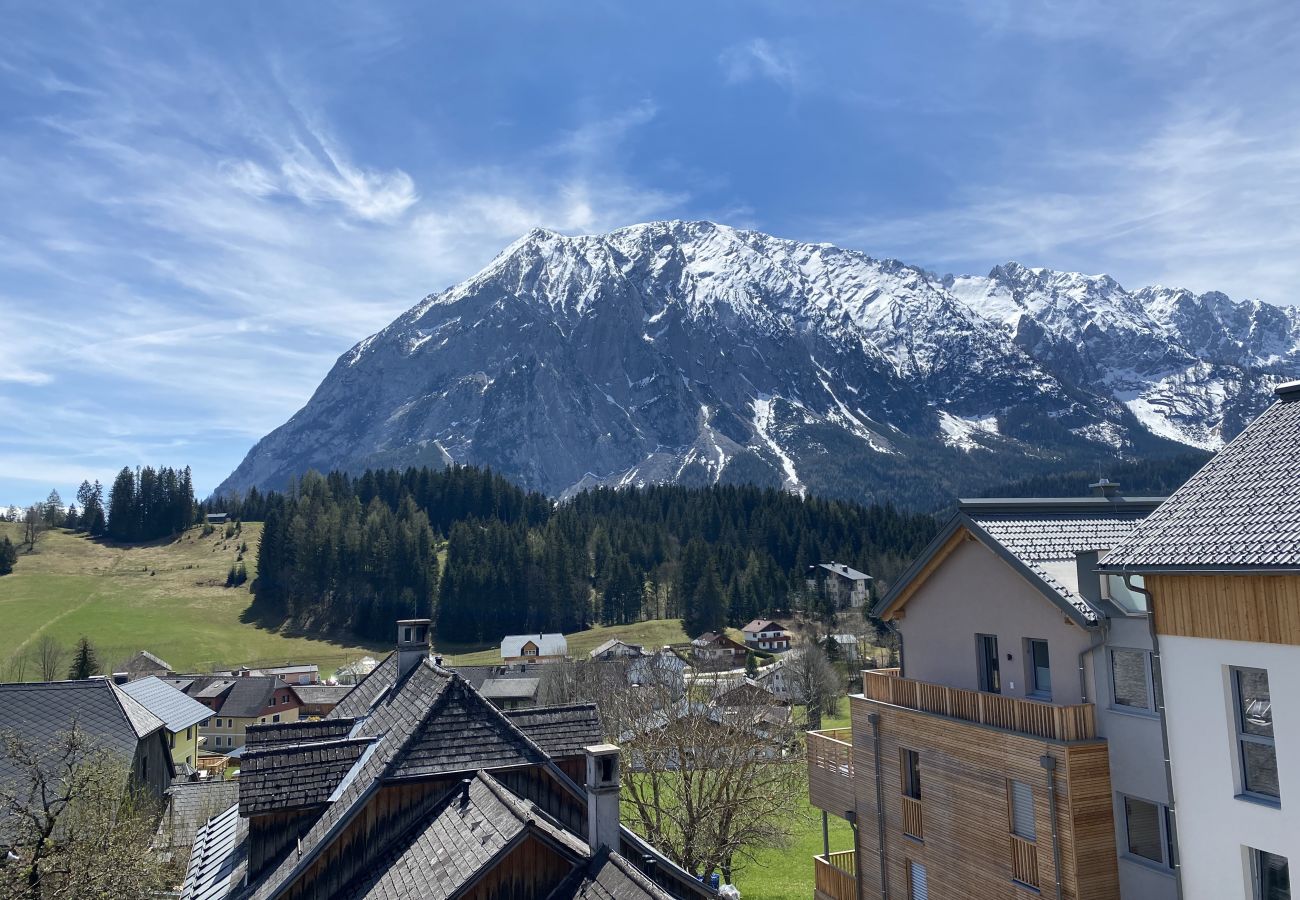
(202, 205)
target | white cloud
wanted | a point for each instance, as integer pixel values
(759, 58)
(19, 375)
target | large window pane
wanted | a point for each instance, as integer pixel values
(1253, 702)
(1272, 877)
(1040, 668)
(911, 774)
(1259, 766)
(1143, 820)
(1129, 675)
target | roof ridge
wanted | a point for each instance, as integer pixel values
(125, 701)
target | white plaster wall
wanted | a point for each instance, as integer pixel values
(1213, 825)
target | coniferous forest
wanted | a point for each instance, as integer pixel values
(354, 553)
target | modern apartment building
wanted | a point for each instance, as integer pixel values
(1018, 750)
(1221, 563)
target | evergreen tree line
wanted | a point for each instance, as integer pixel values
(149, 503)
(355, 553)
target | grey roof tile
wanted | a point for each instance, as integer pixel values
(1240, 511)
(560, 730)
(295, 776)
(218, 859)
(189, 805)
(176, 710)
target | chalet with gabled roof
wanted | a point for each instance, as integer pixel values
(416, 786)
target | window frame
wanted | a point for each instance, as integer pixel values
(1148, 664)
(1257, 871)
(987, 675)
(909, 770)
(1243, 737)
(1031, 669)
(1165, 822)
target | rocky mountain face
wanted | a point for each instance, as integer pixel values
(691, 352)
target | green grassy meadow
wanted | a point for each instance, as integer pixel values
(168, 597)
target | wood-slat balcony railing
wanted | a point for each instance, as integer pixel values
(1024, 861)
(834, 875)
(1053, 721)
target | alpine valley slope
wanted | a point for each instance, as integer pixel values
(690, 352)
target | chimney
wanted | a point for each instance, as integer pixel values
(1089, 579)
(1104, 487)
(413, 643)
(602, 796)
(121, 678)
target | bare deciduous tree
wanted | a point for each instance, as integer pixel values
(813, 680)
(76, 825)
(710, 781)
(51, 657)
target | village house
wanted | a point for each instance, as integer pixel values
(315, 701)
(662, 669)
(532, 648)
(289, 673)
(616, 649)
(415, 786)
(842, 647)
(144, 664)
(844, 587)
(1219, 564)
(217, 518)
(237, 703)
(1019, 749)
(180, 714)
(39, 713)
(764, 634)
(715, 647)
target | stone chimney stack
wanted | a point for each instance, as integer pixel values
(603, 788)
(414, 641)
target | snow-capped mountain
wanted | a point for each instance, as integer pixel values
(692, 352)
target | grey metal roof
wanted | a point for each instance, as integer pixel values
(845, 571)
(612, 643)
(560, 730)
(177, 711)
(1240, 512)
(550, 644)
(219, 857)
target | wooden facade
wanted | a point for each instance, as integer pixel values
(1259, 608)
(960, 828)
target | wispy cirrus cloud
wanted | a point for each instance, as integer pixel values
(759, 58)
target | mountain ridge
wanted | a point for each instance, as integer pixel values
(694, 352)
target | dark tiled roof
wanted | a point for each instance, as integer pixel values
(1241, 511)
(509, 688)
(190, 804)
(461, 738)
(167, 703)
(295, 776)
(608, 876)
(845, 571)
(560, 730)
(463, 835)
(261, 737)
(359, 700)
(478, 675)
(38, 713)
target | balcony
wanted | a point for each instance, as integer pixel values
(830, 770)
(1032, 717)
(834, 876)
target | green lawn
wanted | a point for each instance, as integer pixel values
(787, 874)
(168, 597)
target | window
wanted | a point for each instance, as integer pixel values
(1039, 675)
(1254, 714)
(189, 733)
(1021, 801)
(911, 771)
(987, 649)
(1147, 831)
(275, 718)
(1130, 678)
(144, 768)
(1270, 875)
(171, 741)
(917, 889)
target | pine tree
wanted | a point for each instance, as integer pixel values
(751, 664)
(8, 555)
(84, 663)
